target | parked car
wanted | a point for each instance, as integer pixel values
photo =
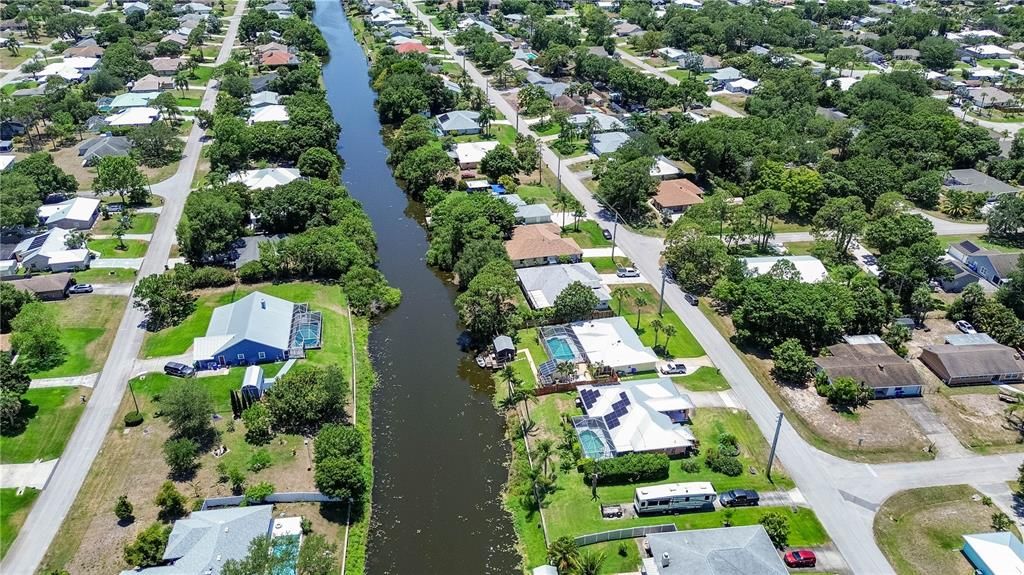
(965, 327)
(179, 369)
(691, 299)
(869, 259)
(627, 273)
(739, 498)
(80, 288)
(800, 558)
(607, 234)
(673, 369)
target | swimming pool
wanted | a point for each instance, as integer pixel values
(286, 549)
(560, 349)
(592, 444)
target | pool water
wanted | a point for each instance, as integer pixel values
(286, 549)
(560, 349)
(591, 443)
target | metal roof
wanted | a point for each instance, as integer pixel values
(723, 551)
(257, 317)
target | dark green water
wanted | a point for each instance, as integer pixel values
(439, 454)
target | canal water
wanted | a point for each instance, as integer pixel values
(439, 454)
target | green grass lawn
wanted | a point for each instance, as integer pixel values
(151, 385)
(14, 509)
(110, 248)
(105, 276)
(619, 556)
(704, 379)
(141, 224)
(685, 74)
(579, 148)
(994, 62)
(980, 241)
(49, 416)
(529, 339)
(88, 324)
(588, 236)
(683, 344)
(537, 194)
(189, 102)
(813, 56)
(503, 133)
(201, 75)
(799, 248)
(605, 265)
(549, 130)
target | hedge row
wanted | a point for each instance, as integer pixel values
(629, 468)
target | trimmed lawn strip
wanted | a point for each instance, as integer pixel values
(110, 248)
(141, 224)
(605, 265)
(704, 379)
(105, 276)
(14, 509)
(536, 194)
(529, 339)
(88, 325)
(588, 236)
(52, 414)
(683, 344)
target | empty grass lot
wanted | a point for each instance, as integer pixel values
(111, 248)
(683, 344)
(704, 379)
(588, 236)
(537, 194)
(49, 416)
(141, 224)
(14, 509)
(920, 530)
(503, 133)
(105, 276)
(87, 327)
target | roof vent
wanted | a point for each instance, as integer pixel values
(263, 304)
(881, 367)
(665, 559)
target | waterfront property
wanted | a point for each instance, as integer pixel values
(540, 244)
(634, 417)
(527, 214)
(611, 342)
(255, 329)
(724, 551)
(542, 285)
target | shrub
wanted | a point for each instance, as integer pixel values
(691, 466)
(132, 419)
(124, 510)
(629, 468)
(335, 440)
(148, 548)
(307, 526)
(257, 425)
(777, 527)
(722, 463)
(181, 456)
(237, 480)
(170, 502)
(259, 492)
(253, 272)
(340, 477)
(209, 276)
(259, 460)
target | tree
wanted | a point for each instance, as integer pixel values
(937, 53)
(1006, 220)
(305, 399)
(170, 502)
(21, 201)
(120, 175)
(840, 220)
(14, 382)
(12, 300)
(181, 455)
(124, 510)
(320, 163)
(563, 554)
(148, 548)
(47, 176)
(168, 106)
(261, 559)
(791, 362)
(500, 161)
(257, 424)
(690, 91)
(1010, 294)
(626, 185)
(777, 527)
(576, 302)
(640, 299)
(317, 556)
(698, 260)
(338, 441)
(768, 205)
(488, 306)
(424, 167)
(36, 336)
(845, 393)
(164, 301)
(340, 477)
(211, 222)
(187, 408)
(256, 494)
(589, 563)
(156, 145)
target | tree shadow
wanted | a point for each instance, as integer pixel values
(27, 413)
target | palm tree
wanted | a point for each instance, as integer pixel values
(640, 300)
(566, 369)
(562, 203)
(563, 553)
(589, 563)
(578, 213)
(956, 203)
(485, 117)
(181, 81)
(657, 325)
(509, 376)
(545, 449)
(670, 330)
(620, 294)
(12, 45)
(522, 395)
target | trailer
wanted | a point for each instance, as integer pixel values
(674, 497)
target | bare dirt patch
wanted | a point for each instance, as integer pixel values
(937, 330)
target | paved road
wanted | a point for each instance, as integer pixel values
(55, 501)
(843, 494)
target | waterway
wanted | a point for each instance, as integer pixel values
(439, 454)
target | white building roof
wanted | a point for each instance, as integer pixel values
(80, 62)
(991, 50)
(6, 160)
(666, 490)
(48, 242)
(77, 209)
(811, 269)
(604, 122)
(264, 177)
(69, 73)
(257, 317)
(473, 152)
(141, 116)
(662, 168)
(613, 342)
(1002, 553)
(542, 284)
(272, 113)
(957, 36)
(744, 84)
(641, 410)
(846, 82)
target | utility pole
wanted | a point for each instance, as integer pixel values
(615, 229)
(664, 274)
(775, 442)
(135, 401)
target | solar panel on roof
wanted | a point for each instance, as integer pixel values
(611, 423)
(625, 401)
(37, 242)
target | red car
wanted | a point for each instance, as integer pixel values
(800, 558)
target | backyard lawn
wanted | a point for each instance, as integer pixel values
(681, 345)
(105, 276)
(704, 379)
(14, 509)
(995, 63)
(49, 416)
(920, 530)
(504, 133)
(980, 241)
(550, 129)
(141, 224)
(588, 236)
(110, 248)
(87, 327)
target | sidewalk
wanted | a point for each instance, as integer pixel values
(20, 475)
(71, 381)
(122, 263)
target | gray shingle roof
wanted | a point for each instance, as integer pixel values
(543, 284)
(459, 120)
(257, 317)
(723, 551)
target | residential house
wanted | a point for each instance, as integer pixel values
(611, 342)
(77, 213)
(607, 142)
(166, 66)
(177, 38)
(625, 29)
(142, 116)
(264, 177)
(872, 365)
(601, 122)
(906, 54)
(527, 214)
(276, 113)
(411, 47)
(759, 50)
(90, 51)
(987, 51)
(152, 83)
(250, 251)
(670, 54)
(971, 180)
(999, 553)
(262, 82)
(46, 287)
(469, 154)
(994, 266)
(192, 8)
(7, 162)
(720, 551)
(257, 328)
(540, 244)
(281, 9)
(272, 47)
(265, 98)
(458, 123)
(810, 268)
(566, 104)
(664, 169)
(974, 364)
(48, 251)
(132, 100)
(990, 97)
(542, 285)
(710, 64)
(977, 76)
(742, 86)
(960, 277)
(726, 75)
(969, 339)
(275, 58)
(676, 196)
(9, 268)
(869, 54)
(130, 7)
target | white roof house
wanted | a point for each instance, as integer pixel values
(469, 154)
(727, 75)
(640, 416)
(958, 36)
(264, 98)
(78, 213)
(528, 213)
(6, 161)
(991, 51)
(664, 169)
(257, 321)
(49, 251)
(743, 86)
(613, 342)
(69, 73)
(270, 113)
(81, 62)
(995, 553)
(141, 116)
(543, 284)
(264, 177)
(811, 269)
(602, 122)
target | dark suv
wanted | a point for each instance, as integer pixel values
(179, 369)
(739, 498)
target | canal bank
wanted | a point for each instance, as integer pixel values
(439, 449)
